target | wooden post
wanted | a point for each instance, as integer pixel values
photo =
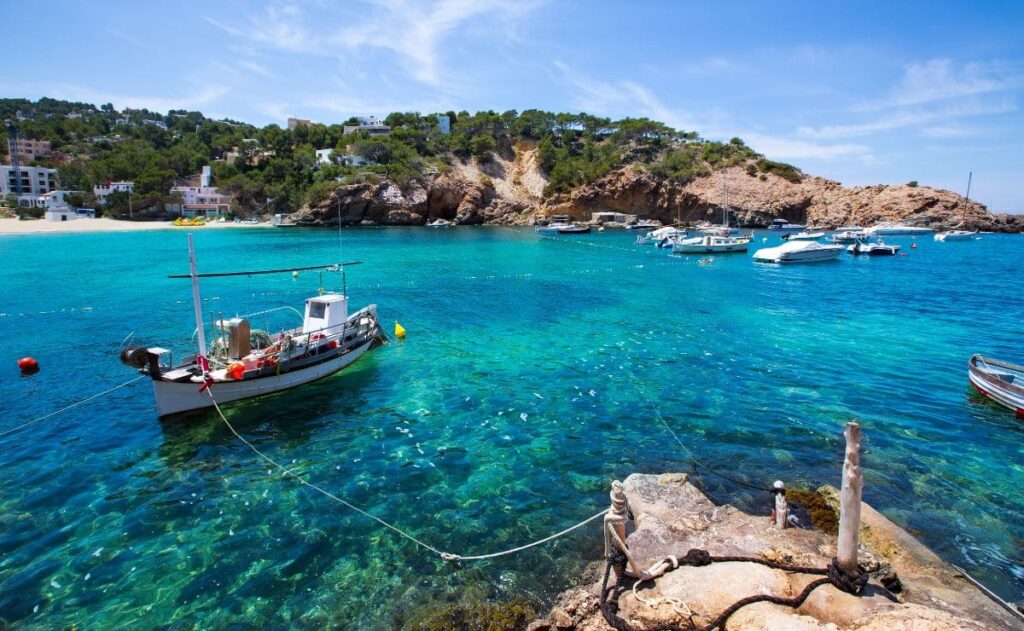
(781, 508)
(615, 526)
(849, 502)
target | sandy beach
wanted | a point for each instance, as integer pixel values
(41, 226)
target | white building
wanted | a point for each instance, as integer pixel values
(203, 200)
(100, 191)
(372, 125)
(57, 207)
(154, 122)
(35, 181)
(323, 156)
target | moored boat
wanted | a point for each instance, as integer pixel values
(799, 252)
(243, 364)
(848, 235)
(803, 236)
(644, 224)
(439, 223)
(710, 244)
(783, 225)
(554, 224)
(896, 229)
(572, 229)
(1000, 381)
(955, 234)
(873, 249)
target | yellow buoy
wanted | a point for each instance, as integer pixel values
(399, 331)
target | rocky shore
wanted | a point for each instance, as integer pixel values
(509, 192)
(909, 588)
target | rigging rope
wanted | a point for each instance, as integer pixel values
(66, 408)
(447, 556)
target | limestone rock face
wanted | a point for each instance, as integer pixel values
(756, 199)
(671, 516)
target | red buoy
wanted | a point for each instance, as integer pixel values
(28, 366)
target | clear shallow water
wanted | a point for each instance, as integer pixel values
(526, 384)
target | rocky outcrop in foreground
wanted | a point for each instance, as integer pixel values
(910, 588)
(756, 199)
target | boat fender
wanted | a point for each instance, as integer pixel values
(28, 366)
(236, 370)
(399, 331)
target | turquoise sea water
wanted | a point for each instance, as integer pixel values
(528, 381)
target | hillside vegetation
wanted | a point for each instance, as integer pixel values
(276, 169)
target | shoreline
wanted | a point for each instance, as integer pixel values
(15, 227)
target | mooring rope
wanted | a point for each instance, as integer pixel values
(447, 556)
(66, 408)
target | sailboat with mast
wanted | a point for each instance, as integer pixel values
(960, 235)
(717, 239)
(242, 363)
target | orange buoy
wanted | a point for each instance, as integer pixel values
(28, 366)
(236, 370)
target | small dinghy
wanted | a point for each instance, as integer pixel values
(873, 249)
(439, 223)
(1000, 381)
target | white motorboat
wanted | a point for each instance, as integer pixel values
(782, 224)
(439, 223)
(873, 249)
(657, 237)
(803, 236)
(799, 252)
(848, 235)
(955, 234)
(644, 224)
(1000, 381)
(710, 244)
(896, 229)
(243, 363)
(556, 222)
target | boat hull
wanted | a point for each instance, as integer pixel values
(177, 397)
(682, 248)
(806, 255)
(980, 371)
(954, 236)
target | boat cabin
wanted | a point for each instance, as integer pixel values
(326, 314)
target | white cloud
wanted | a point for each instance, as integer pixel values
(784, 148)
(193, 100)
(941, 79)
(416, 33)
(913, 117)
(621, 98)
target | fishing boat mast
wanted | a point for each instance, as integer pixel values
(196, 301)
(967, 198)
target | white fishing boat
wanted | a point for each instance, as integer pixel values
(848, 235)
(710, 244)
(799, 252)
(439, 223)
(873, 249)
(782, 224)
(572, 229)
(889, 229)
(242, 363)
(1000, 381)
(803, 236)
(955, 234)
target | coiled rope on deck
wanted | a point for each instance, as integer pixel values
(447, 556)
(68, 407)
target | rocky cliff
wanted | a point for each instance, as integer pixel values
(508, 190)
(756, 199)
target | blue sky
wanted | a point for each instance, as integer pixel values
(861, 92)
